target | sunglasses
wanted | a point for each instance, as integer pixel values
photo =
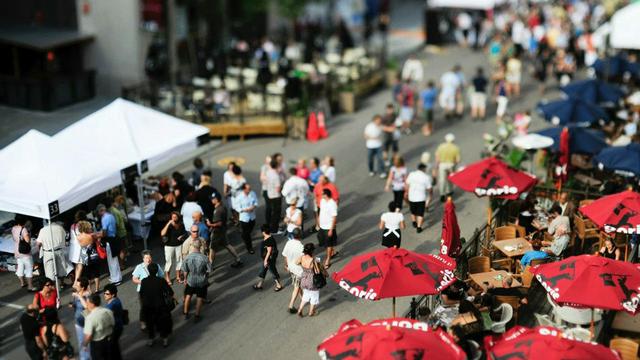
(194, 231)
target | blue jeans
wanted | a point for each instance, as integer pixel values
(375, 153)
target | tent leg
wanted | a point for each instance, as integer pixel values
(55, 268)
(141, 206)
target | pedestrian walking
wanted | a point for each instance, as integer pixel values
(501, 94)
(449, 84)
(33, 343)
(218, 226)
(189, 207)
(121, 231)
(75, 248)
(232, 187)
(173, 235)
(46, 300)
(412, 70)
(22, 251)
(293, 219)
(109, 240)
(373, 135)
(203, 195)
(396, 181)
(479, 95)
(428, 98)
(51, 241)
(79, 304)
(140, 273)
(269, 255)
(246, 204)
(391, 134)
(274, 198)
(157, 315)
(310, 267)
(98, 329)
(90, 262)
(327, 218)
(391, 224)
(447, 157)
(195, 267)
(113, 303)
(419, 184)
(314, 172)
(406, 101)
(328, 168)
(292, 252)
(295, 189)
(460, 91)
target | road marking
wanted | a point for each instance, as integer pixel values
(10, 305)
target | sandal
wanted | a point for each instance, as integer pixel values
(327, 266)
(278, 288)
(256, 287)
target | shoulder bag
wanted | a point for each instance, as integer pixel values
(24, 246)
(319, 280)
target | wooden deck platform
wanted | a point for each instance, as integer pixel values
(264, 125)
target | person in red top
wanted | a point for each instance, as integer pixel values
(324, 183)
(302, 170)
(46, 299)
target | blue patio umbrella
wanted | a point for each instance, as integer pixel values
(622, 159)
(616, 66)
(594, 91)
(581, 140)
(572, 111)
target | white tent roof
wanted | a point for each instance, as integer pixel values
(131, 133)
(39, 172)
(599, 37)
(625, 27)
(466, 4)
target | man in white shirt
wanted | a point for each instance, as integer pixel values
(51, 241)
(327, 236)
(274, 199)
(412, 70)
(293, 251)
(295, 188)
(188, 208)
(418, 185)
(373, 135)
(449, 83)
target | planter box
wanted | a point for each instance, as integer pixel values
(298, 127)
(347, 101)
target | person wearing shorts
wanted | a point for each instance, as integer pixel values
(427, 99)
(327, 218)
(479, 95)
(418, 185)
(195, 268)
(24, 266)
(292, 252)
(449, 83)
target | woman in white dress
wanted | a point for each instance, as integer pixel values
(391, 223)
(232, 187)
(293, 218)
(396, 181)
(328, 168)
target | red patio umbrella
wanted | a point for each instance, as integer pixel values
(617, 213)
(395, 338)
(562, 170)
(450, 240)
(392, 273)
(590, 281)
(492, 177)
(545, 343)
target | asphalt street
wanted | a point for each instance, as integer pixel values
(244, 324)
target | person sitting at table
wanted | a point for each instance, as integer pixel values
(568, 207)
(555, 220)
(470, 320)
(609, 250)
(560, 241)
(454, 293)
(488, 297)
(534, 254)
(526, 216)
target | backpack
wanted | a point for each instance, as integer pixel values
(168, 300)
(24, 247)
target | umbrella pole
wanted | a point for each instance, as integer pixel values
(592, 326)
(393, 302)
(489, 217)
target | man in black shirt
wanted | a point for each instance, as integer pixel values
(390, 144)
(479, 95)
(31, 331)
(218, 226)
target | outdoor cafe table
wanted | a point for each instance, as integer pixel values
(493, 278)
(513, 247)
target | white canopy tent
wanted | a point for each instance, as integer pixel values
(625, 27)
(466, 4)
(133, 134)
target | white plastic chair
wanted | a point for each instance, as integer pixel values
(475, 348)
(506, 315)
(572, 315)
(579, 333)
(544, 320)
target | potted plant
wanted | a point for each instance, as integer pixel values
(391, 72)
(347, 98)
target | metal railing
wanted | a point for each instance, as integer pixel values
(470, 248)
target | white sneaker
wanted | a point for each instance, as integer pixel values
(383, 175)
(372, 174)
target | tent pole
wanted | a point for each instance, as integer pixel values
(489, 218)
(591, 326)
(141, 206)
(55, 269)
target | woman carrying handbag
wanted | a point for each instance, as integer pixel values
(313, 278)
